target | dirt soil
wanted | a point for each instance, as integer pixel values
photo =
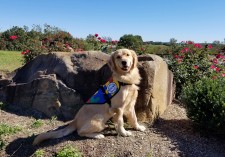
(172, 135)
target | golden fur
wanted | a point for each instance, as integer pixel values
(91, 119)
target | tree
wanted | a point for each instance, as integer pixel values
(216, 42)
(173, 41)
(48, 29)
(130, 41)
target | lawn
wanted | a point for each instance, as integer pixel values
(156, 49)
(10, 60)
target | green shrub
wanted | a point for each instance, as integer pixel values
(37, 41)
(104, 44)
(39, 153)
(7, 130)
(205, 103)
(13, 39)
(190, 62)
(69, 151)
(37, 123)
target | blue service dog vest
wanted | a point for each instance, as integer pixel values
(106, 92)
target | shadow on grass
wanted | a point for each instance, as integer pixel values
(188, 140)
(22, 147)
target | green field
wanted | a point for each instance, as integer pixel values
(10, 60)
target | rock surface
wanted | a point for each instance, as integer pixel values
(59, 83)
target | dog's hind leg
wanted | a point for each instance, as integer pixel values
(92, 128)
(90, 131)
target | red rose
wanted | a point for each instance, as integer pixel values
(219, 56)
(198, 46)
(196, 67)
(103, 40)
(190, 42)
(217, 69)
(212, 66)
(13, 37)
(209, 46)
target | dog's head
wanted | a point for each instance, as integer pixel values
(123, 61)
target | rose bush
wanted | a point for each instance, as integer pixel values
(38, 40)
(191, 61)
(104, 44)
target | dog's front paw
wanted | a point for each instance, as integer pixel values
(141, 128)
(126, 133)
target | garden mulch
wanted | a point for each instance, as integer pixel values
(172, 135)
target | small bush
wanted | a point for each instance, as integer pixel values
(37, 123)
(104, 44)
(205, 103)
(39, 153)
(7, 130)
(69, 151)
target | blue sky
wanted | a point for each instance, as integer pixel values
(158, 20)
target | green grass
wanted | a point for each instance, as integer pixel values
(37, 123)
(7, 130)
(52, 121)
(69, 151)
(156, 49)
(39, 153)
(10, 60)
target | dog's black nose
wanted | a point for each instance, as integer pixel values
(124, 63)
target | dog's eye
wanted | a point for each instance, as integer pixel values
(128, 54)
(118, 57)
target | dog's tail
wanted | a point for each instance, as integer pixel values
(54, 134)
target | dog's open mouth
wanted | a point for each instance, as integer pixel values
(125, 68)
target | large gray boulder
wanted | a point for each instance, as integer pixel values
(59, 83)
(156, 88)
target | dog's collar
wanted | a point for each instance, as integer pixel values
(124, 84)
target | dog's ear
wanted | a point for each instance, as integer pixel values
(135, 59)
(111, 62)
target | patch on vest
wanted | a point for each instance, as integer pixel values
(105, 92)
(112, 88)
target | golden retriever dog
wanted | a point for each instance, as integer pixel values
(90, 119)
